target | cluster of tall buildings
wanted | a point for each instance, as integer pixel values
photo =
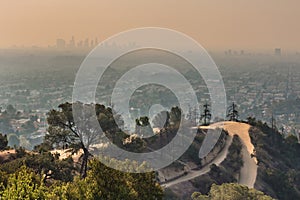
(87, 43)
(277, 52)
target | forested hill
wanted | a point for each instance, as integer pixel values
(278, 168)
(42, 174)
(279, 161)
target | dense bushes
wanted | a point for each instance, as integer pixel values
(279, 161)
(3, 142)
(231, 191)
(101, 182)
(226, 172)
(234, 160)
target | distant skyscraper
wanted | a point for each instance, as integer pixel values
(86, 43)
(80, 44)
(92, 43)
(60, 43)
(277, 52)
(229, 51)
(72, 43)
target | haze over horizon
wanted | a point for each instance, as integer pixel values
(234, 24)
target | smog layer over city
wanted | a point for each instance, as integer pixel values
(150, 100)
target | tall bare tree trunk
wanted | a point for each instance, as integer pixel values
(83, 168)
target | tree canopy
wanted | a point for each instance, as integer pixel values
(3, 141)
(101, 182)
(231, 191)
(63, 132)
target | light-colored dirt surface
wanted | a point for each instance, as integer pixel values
(4, 155)
(249, 170)
(63, 154)
(195, 173)
(240, 129)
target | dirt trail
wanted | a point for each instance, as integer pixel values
(195, 173)
(248, 171)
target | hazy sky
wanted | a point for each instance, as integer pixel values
(216, 24)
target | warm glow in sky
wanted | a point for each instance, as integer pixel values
(216, 24)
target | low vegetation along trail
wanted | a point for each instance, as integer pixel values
(248, 171)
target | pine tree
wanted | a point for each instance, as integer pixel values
(206, 116)
(233, 114)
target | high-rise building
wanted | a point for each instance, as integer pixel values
(79, 44)
(60, 43)
(92, 43)
(86, 43)
(72, 43)
(229, 52)
(277, 51)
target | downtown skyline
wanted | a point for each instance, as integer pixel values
(234, 24)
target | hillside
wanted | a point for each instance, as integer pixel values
(248, 172)
(264, 167)
(249, 154)
(244, 173)
(279, 162)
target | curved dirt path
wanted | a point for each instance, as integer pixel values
(248, 171)
(195, 173)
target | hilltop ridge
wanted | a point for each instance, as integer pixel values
(262, 164)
